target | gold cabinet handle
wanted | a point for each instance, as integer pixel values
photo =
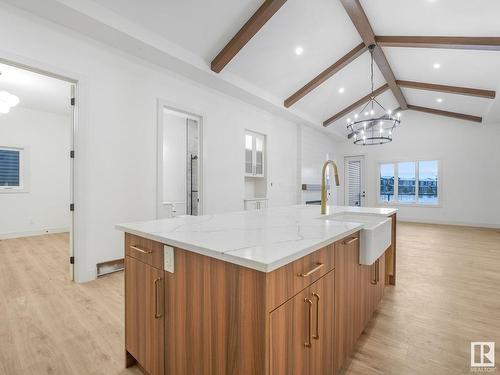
(350, 241)
(373, 280)
(157, 315)
(307, 344)
(316, 336)
(375, 273)
(141, 250)
(310, 272)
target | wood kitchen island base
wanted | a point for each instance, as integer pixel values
(215, 317)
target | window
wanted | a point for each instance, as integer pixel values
(386, 182)
(409, 182)
(11, 168)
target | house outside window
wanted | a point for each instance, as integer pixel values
(409, 182)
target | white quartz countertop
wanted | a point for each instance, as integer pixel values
(263, 240)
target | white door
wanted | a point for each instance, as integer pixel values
(354, 169)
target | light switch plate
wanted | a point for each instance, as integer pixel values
(168, 258)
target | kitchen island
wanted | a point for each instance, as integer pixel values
(276, 291)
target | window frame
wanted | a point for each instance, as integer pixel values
(23, 171)
(396, 201)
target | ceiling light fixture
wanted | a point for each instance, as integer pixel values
(439, 100)
(367, 127)
(436, 65)
(341, 90)
(7, 101)
(299, 50)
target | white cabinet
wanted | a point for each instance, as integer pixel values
(255, 154)
(255, 203)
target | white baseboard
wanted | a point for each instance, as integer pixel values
(5, 236)
(447, 222)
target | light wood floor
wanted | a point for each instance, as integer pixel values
(448, 294)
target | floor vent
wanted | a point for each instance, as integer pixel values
(111, 266)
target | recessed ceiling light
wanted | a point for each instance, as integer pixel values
(439, 100)
(436, 65)
(299, 50)
(341, 90)
(431, 1)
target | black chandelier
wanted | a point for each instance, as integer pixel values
(366, 129)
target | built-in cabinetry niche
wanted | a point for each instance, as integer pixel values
(255, 171)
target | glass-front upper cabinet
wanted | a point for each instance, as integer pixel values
(255, 146)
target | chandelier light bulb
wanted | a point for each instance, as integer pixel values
(362, 131)
(389, 112)
(366, 113)
(399, 114)
(381, 130)
(364, 125)
(348, 120)
(356, 115)
(372, 112)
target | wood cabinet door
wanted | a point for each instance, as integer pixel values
(372, 284)
(144, 321)
(301, 332)
(349, 316)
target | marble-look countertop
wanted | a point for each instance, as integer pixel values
(263, 240)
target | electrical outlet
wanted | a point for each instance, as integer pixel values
(168, 258)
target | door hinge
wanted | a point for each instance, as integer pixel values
(71, 260)
(72, 154)
(72, 101)
(72, 207)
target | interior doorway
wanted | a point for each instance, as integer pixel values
(355, 190)
(37, 172)
(179, 163)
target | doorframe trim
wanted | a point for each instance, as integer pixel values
(77, 243)
(166, 104)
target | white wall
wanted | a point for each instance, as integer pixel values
(315, 149)
(470, 162)
(116, 149)
(44, 207)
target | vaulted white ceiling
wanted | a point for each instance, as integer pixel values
(267, 68)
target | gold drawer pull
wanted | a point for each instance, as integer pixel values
(141, 250)
(316, 336)
(348, 242)
(310, 272)
(307, 344)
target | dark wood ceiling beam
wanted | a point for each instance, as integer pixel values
(488, 94)
(362, 24)
(439, 112)
(356, 104)
(326, 74)
(249, 29)
(445, 42)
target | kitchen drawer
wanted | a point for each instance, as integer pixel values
(147, 251)
(289, 280)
